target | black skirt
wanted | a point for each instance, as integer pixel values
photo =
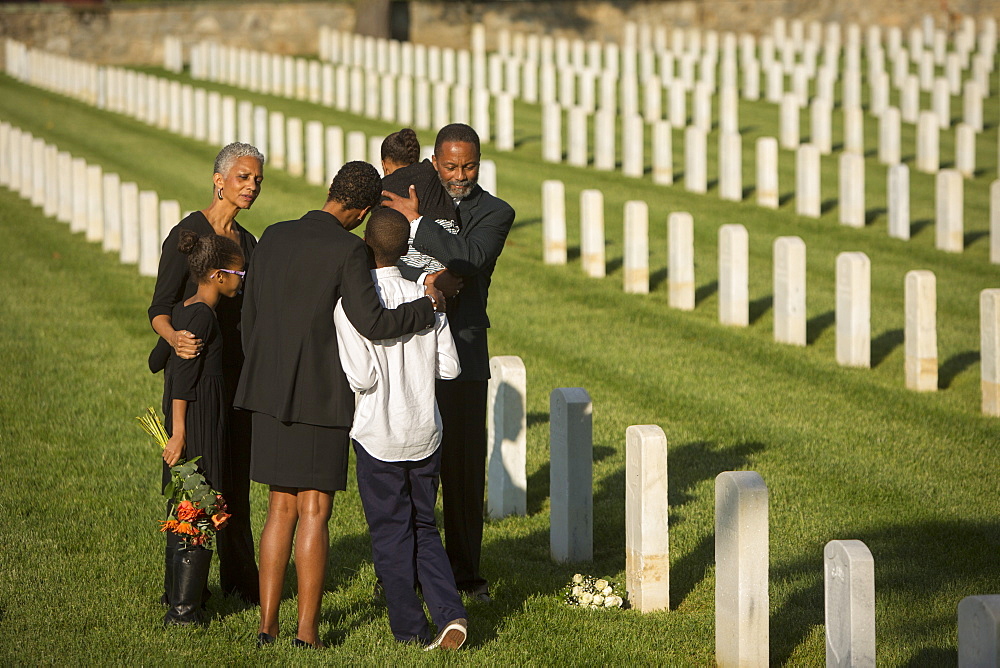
(292, 454)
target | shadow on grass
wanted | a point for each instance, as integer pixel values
(614, 265)
(690, 465)
(955, 365)
(786, 198)
(572, 253)
(818, 324)
(527, 222)
(538, 482)
(705, 291)
(899, 575)
(973, 237)
(657, 278)
(827, 206)
(759, 307)
(872, 215)
(884, 344)
(917, 226)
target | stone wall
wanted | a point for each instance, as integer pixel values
(133, 34)
(443, 22)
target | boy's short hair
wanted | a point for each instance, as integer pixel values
(356, 186)
(388, 234)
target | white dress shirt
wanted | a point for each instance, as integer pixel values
(396, 418)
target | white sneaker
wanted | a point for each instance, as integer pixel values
(452, 636)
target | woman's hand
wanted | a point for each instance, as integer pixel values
(174, 450)
(185, 344)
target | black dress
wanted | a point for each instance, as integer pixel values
(235, 545)
(199, 381)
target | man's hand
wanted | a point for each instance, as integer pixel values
(186, 344)
(445, 281)
(408, 206)
(436, 296)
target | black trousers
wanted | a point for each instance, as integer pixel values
(399, 499)
(234, 543)
(462, 404)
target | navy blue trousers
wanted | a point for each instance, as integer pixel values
(399, 498)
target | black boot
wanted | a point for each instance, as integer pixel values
(173, 544)
(188, 586)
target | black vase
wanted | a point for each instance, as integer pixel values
(187, 579)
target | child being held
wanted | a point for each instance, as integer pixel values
(397, 434)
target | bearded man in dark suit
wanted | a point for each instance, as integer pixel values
(464, 228)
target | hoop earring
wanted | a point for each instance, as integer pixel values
(220, 193)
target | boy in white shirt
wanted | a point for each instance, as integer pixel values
(397, 434)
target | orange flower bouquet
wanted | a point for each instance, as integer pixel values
(197, 511)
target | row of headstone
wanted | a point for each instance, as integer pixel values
(304, 149)
(853, 283)
(118, 215)
(741, 533)
(403, 98)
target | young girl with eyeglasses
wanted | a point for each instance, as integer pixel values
(195, 407)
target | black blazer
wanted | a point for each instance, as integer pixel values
(299, 270)
(484, 222)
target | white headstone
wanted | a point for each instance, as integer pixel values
(910, 99)
(334, 153)
(170, 214)
(112, 236)
(554, 222)
(276, 138)
(941, 102)
(731, 166)
(767, 172)
(504, 140)
(852, 189)
(995, 222)
(293, 138)
(899, 201)
(854, 130)
(789, 121)
(741, 570)
(130, 223)
(663, 153)
(734, 275)
(989, 350)
(820, 134)
(695, 168)
(592, 233)
(571, 456)
(807, 188)
(647, 544)
(357, 146)
(633, 163)
(78, 221)
(315, 168)
(921, 331)
(889, 137)
(853, 310)
(149, 232)
(680, 274)
(636, 248)
(507, 426)
(949, 207)
(95, 203)
(790, 290)
(552, 133)
(928, 136)
(677, 99)
(965, 150)
(849, 587)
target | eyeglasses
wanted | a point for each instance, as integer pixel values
(241, 274)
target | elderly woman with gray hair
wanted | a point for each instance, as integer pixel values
(238, 173)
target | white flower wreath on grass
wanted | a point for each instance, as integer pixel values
(586, 591)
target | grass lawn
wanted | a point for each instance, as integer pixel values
(846, 453)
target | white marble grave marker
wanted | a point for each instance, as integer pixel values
(647, 544)
(112, 236)
(853, 310)
(741, 570)
(571, 453)
(921, 331)
(315, 169)
(852, 190)
(734, 275)
(928, 137)
(695, 159)
(889, 137)
(554, 222)
(731, 166)
(592, 233)
(948, 223)
(789, 121)
(807, 185)
(149, 232)
(130, 223)
(849, 588)
(995, 222)
(790, 291)
(507, 428)
(899, 201)
(663, 153)
(635, 266)
(767, 172)
(95, 203)
(680, 276)
(965, 150)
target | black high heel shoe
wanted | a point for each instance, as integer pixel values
(302, 644)
(264, 639)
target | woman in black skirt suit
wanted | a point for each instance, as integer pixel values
(238, 173)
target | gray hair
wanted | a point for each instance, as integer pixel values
(233, 152)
